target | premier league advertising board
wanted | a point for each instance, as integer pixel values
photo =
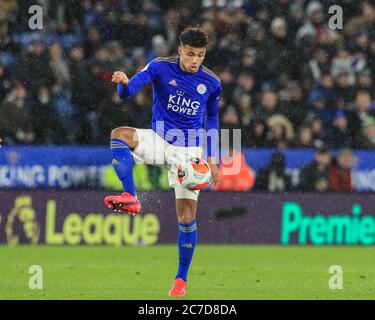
(66, 218)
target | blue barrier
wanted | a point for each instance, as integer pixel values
(363, 173)
(65, 167)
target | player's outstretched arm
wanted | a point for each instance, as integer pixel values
(127, 88)
(122, 80)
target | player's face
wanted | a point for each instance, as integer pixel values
(191, 58)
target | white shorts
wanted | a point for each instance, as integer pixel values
(154, 150)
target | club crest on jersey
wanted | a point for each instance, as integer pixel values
(201, 88)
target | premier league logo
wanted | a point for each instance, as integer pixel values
(21, 225)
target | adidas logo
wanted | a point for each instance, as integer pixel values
(114, 161)
(187, 245)
(173, 82)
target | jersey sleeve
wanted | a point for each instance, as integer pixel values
(135, 84)
(212, 123)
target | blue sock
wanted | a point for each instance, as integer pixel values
(187, 238)
(123, 164)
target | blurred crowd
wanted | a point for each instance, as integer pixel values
(289, 81)
(326, 173)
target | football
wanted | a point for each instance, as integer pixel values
(194, 174)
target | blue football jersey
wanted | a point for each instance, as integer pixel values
(183, 102)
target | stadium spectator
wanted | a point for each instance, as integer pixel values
(316, 29)
(5, 82)
(304, 138)
(342, 64)
(315, 175)
(255, 135)
(340, 173)
(317, 129)
(248, 64)
(324, 88)
(230, 118)
(366, 139)
(363, 107)
(280, 42)
(273, 177)
(321, 108)
(345, 87)
(322, 184)
(32, 66)
(318, 66)
(47, 127)
(364, 20)
(15, 124)
(245, 85)
(292, 103)
(59, 67)
(280, 131)
(268, 105)
(92, 43)
(339, 135)
(365, 81)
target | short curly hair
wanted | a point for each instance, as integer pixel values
(194, 37)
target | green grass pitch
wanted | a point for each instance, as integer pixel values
(217, 272)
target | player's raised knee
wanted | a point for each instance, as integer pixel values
(119, 132)
(126, 134)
